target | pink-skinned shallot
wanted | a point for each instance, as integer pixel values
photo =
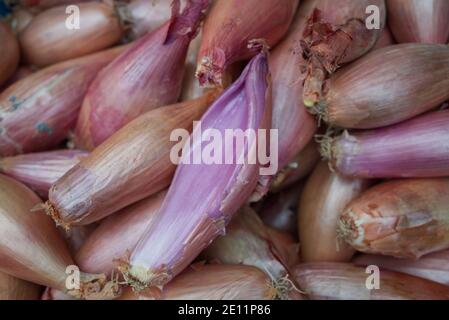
(131, 165)
(41, 169)
(231, 24)
(32, 249)
(419, 21)
(38, 111)
(204, 195)
(338, 32)
(148, 75)
(248, 241)
(117, 235)
(416, 148)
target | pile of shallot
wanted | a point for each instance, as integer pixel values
(224, 149)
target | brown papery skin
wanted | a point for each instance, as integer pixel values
(21, 18)
(336, 34)
(400, 218)
(348, 16)
(47, 40)
(298, 167)
(117, 236)
(191, 89)
(433, 267)
(39, 110)
(324, 198)
(131, 165)
(12, 288)
(31, 247)
(231, 24)
(387, 86)
(10, 52)
(295, 125)
(343, 281)
(211, 282)
(419, 21)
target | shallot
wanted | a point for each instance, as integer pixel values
(402, 218)
(148, 75)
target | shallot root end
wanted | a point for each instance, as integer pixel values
(50, 210)
(95, 287)
(141, 278)
(280, 289)
(348, 230)
(209, 75)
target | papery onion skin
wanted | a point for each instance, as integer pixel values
(10, 52)
(38, 111)
(337, 33)
(12, 288)
(146, 76)
(295, 125)
(344, 281)
(25, 228)
(41, 169)
(367, 94)
(212, 282)
(433, 267)
(48, 40)
(132, 165)
(247, 241)
(231, 24)
(298, 167)
(278, 210)
(190, 219)
(31, 247)
(340, 16)
(402, 218)
(416, 148)
(324, 198)
(117, 235)
(419, 21)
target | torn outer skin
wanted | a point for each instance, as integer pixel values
(194, 214)
(228, 28)
(405, 218)
(328, 45)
